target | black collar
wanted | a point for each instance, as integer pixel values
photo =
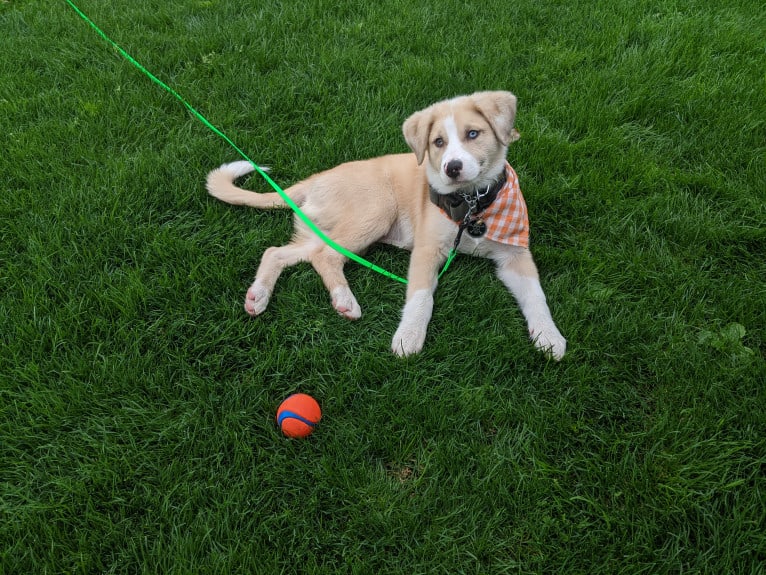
(465, 203)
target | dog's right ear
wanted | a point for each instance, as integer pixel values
(499, 109)
(417, 129)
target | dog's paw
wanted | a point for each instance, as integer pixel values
(408, 341)
(549, 340)
(411, 333)
(345, 303)
(257, 299)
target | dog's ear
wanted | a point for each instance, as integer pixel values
(499, 109)
(417, 129)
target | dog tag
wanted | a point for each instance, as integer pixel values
(477, 228)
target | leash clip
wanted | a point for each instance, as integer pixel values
(472, 200)
(468, 221)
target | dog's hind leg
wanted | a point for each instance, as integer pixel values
(273, 262)
(329, 265)
(356, 236)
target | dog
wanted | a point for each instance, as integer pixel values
(456, 180)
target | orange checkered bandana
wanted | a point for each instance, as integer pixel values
(506, 218)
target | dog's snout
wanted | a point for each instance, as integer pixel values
(453, 168)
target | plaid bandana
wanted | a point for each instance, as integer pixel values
(506, 217)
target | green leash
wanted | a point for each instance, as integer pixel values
(304, 218)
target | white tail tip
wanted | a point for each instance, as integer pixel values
(239, 169)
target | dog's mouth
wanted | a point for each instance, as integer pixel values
(454, 181)
(462, 182)
(456, 173)
(463, 185)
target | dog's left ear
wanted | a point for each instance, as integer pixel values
(499, 109)
(416, 130)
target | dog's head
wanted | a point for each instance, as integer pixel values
(466, 139)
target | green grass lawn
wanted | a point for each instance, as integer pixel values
(137, 399)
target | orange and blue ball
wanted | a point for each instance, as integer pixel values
(298, 415)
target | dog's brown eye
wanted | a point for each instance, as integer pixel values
(472, 134)
(439, 142)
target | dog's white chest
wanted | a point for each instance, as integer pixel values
(401, 234)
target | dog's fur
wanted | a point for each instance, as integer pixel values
(386, 199)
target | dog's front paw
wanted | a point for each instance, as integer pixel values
(257, 299)
(411, 333)
(550, 341)
(408, 341)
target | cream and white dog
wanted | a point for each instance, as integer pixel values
(456, 180)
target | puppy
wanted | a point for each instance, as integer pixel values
(456, 186)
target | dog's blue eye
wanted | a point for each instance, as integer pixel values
(473, 134)
(439, 142)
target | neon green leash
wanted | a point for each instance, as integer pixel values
(304, 218)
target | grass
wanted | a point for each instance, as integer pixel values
(137, 399)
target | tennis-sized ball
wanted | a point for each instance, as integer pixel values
(298, 415)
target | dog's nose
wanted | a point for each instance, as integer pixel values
(453, 168)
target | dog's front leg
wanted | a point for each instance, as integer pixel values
(421, 283)
(519, 274)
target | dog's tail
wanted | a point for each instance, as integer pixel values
(220, 184)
